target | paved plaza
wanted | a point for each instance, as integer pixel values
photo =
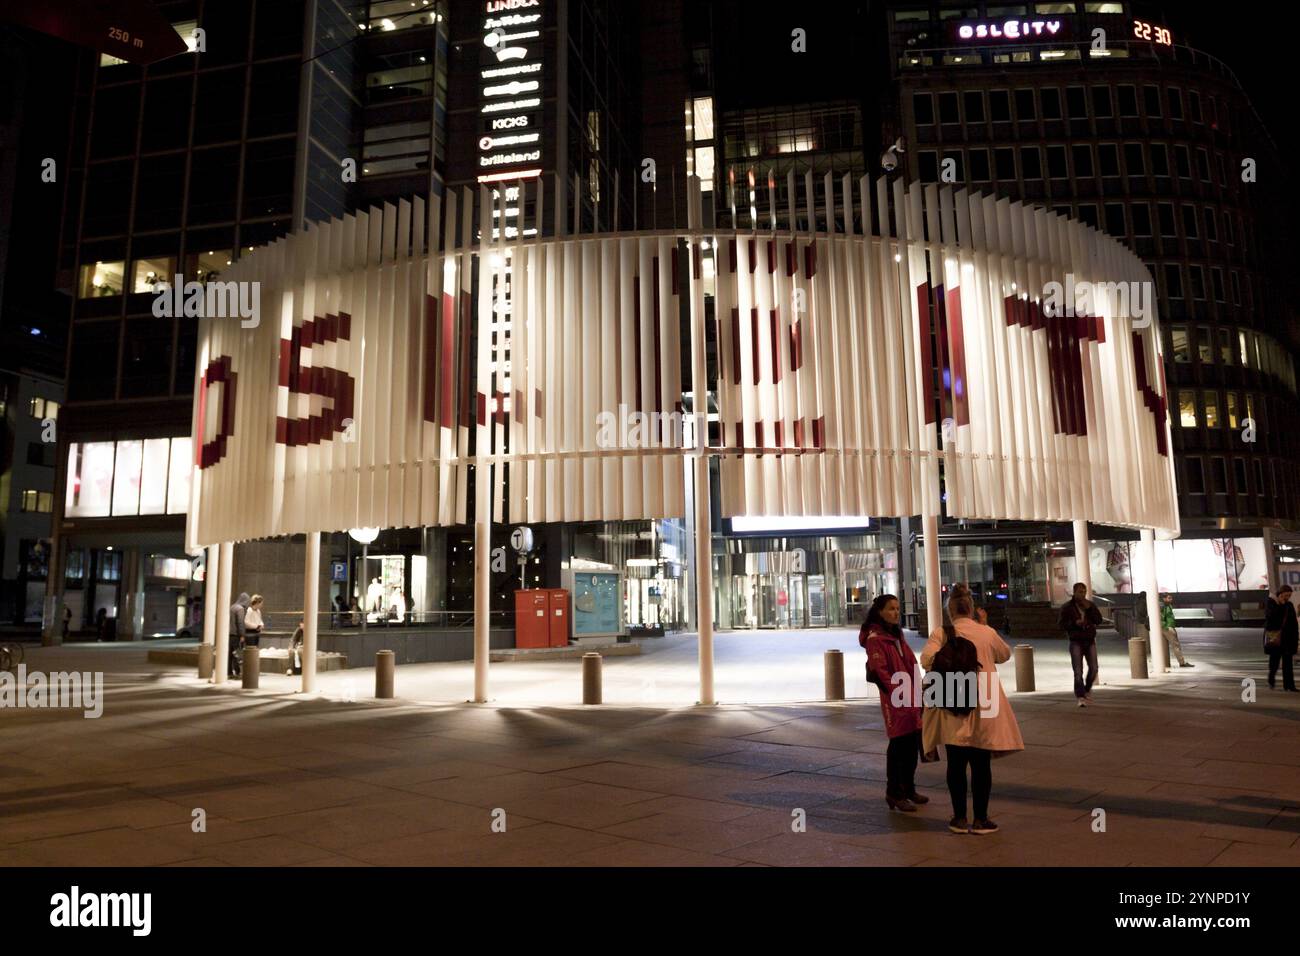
(1187, 774)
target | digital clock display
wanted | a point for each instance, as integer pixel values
(1149, 31)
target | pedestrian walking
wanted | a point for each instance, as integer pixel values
(986, 727)
(1281, 637)
(237, 612)
(1169, 628)
(295, 648)
(1079, 619)
(890, 664)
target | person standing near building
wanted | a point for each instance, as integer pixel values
(1169, 628)
(253, 621)
(1079, 619)
(1281, 637)
(237, 612)
(987, 730)
(887, 656)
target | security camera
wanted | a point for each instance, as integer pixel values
(889, 161)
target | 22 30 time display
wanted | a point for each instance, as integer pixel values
(1149, 31)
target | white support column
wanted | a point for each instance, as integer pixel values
(482, 578)
(704, 578)
(1082, 565)
(211, 603)
(1270, 562)
(933, 581)
(310, 605)
(1151, 586)
(221, 665)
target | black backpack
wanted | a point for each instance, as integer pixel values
(957, 656)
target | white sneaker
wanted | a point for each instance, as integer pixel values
(1082, 702)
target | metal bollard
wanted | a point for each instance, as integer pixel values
(207, 661)
(385, 670)
(1137, 658)
(1024, 668)
(252, 668)
(591, 662)
(834, 669)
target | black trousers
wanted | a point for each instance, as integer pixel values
(900, 764)
(1276, 657)
(232, 666)
(981, 779)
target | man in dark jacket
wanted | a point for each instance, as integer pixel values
(1280, 617)
(237, 611)
(1079, 619)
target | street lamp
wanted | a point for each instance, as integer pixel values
(363, 537)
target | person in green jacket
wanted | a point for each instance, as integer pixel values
(1168, 627)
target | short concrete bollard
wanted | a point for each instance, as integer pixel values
(207, 661)
(385, 674)
(252, 668)
(1024, 668)
(834, 669)
(1137, 658)
(591, 689)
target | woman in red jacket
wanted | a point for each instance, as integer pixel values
(888, 655)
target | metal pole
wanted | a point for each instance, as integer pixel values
(1082, 564)
(364, 600)
(933, 582)
(310, 603)
(222, 662)
(704, 577)
(482, 578)
(1153, 595)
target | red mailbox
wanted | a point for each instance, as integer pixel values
(532, 618)
(559, 617)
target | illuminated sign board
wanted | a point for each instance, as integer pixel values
(1013, 30)
(1149, 31)
(510, 98)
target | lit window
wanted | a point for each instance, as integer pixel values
(704, 165)
(1211, 409)
(206, 266)
(1103, 8)
(1187, 409)
(128, 477)
(149, 274)
(704, 118)
(1232, 409)
(1181, 347)
(389, 15)
(103, 278)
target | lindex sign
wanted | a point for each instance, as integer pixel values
(511, 93)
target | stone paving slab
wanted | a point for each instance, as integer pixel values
(1187, 773)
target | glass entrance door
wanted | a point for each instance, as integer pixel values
(817, 600)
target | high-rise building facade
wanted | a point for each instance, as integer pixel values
(1107, 112)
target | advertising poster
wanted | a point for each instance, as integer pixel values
(597, 603)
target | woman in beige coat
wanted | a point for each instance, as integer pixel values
(987, 731)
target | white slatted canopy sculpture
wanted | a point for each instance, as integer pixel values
(378, 353)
